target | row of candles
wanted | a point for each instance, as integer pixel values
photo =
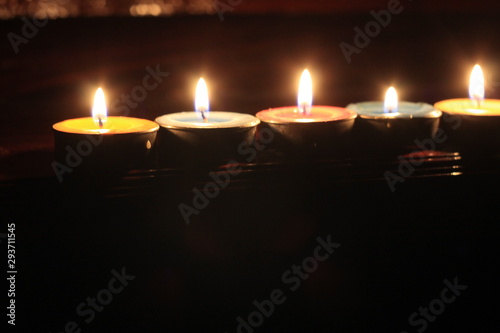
(304, 115)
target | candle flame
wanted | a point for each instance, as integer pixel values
(99, 110)
(201, 100)
(391, 101)
(476, 85)
(304, 99)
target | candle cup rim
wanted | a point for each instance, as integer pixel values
(426, 111)
(249, 121)
(398, 116)
(351, 116)
(464, 112)
(153, 128)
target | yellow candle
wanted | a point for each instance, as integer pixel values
(113, 125)
(100, 123)
(475, 105)
(471, 125)
(100, 145)
(465, 106)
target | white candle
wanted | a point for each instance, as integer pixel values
(204, 119)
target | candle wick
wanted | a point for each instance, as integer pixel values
(303, 109)
(390, 109)
(205, 120)
(478, 102)
(101, 125)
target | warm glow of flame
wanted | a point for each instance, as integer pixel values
(391, 101)
(304, 100)
(99, 110)
(476, 86)
(201, 101)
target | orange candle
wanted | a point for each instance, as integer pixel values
(101, 143)
(114, 125)
(101, 124)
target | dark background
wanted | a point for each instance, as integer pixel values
(397, 248)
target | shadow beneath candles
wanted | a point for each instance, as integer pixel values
(33, 164)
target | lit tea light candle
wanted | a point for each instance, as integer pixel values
(392, 108)
(204, 119)
(305, 112)
(101, 142)
(392, 125)
(101, 124)
(472, 123)
(306, 126)
(203, 136)
(476, 104)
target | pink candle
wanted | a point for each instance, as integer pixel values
(308, 128)
(305, 112)
(291, 114)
